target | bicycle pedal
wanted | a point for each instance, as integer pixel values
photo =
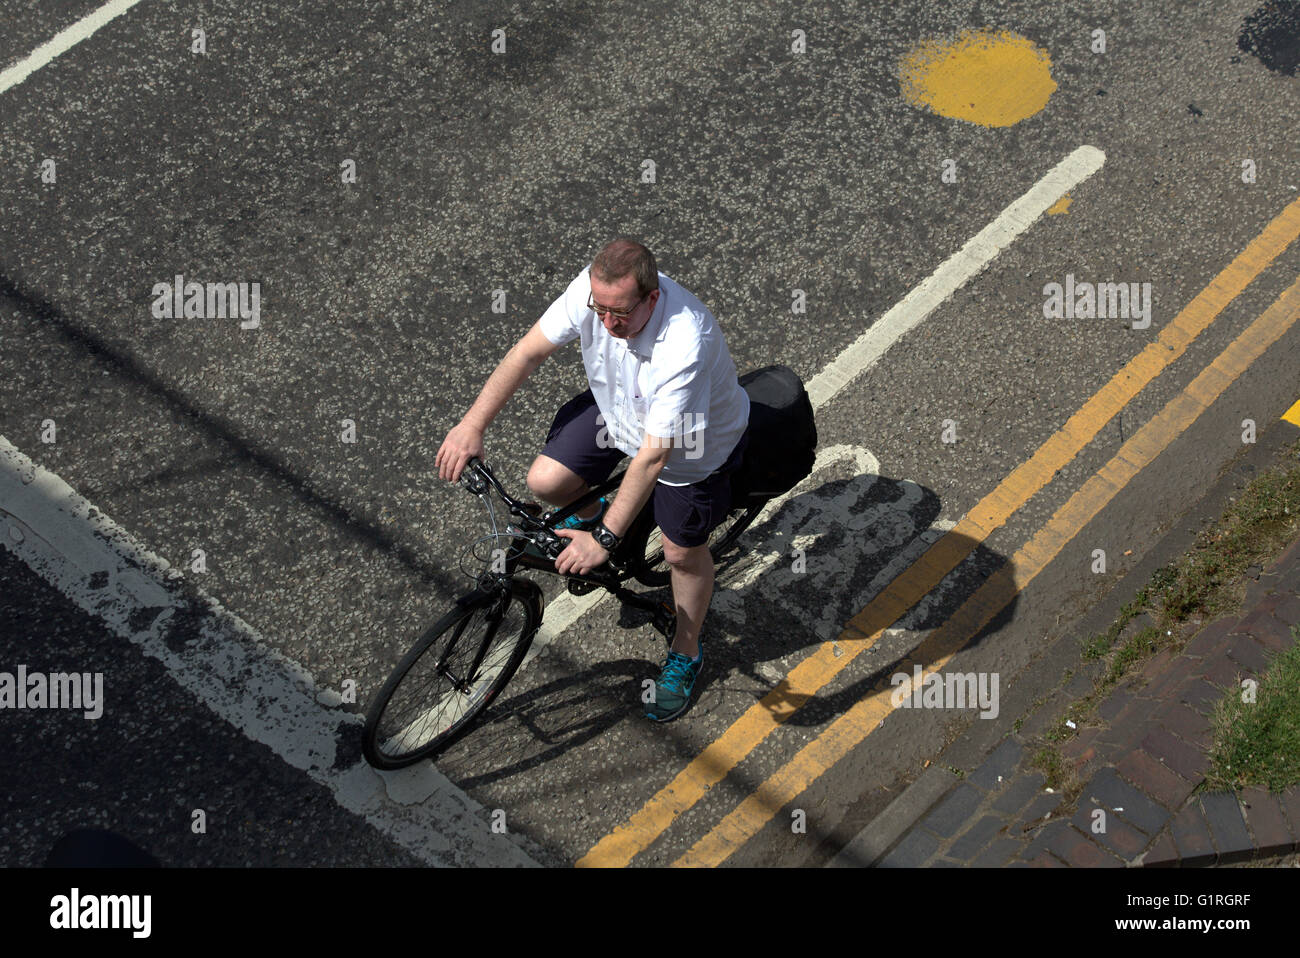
(665, 620)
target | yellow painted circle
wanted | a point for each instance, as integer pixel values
(993, 79)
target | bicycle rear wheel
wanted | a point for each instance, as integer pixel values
(655, 570)
(438, 690)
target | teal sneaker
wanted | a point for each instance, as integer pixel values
(673, 690)
(585, 525)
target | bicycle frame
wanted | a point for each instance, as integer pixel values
(620, 567)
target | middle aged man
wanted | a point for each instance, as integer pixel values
(663, 390)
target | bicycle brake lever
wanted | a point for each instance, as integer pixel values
(473, 481)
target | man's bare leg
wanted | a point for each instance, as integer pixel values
(559, 485)
(692, 577)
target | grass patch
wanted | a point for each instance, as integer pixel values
(1262, 521)
(1135, 650)
(1207, 582)
(1262, 744)
(1048, 761)
(1259, 743)
(1099, 645)
(1061, 778)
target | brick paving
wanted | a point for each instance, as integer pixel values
(1139, 769)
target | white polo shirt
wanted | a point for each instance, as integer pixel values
(674, 379)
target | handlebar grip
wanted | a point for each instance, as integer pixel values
(472, 478)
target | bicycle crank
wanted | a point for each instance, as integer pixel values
(665, 620)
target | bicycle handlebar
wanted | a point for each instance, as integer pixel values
(477, 476)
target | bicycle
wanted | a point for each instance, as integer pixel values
(461, 663)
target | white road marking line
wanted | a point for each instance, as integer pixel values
(867, 349)
(63, 41)
(271, 700)
(954, 273)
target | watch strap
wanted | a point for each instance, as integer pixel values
(606, 538)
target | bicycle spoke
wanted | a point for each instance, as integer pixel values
(434, 699)
(654, 544)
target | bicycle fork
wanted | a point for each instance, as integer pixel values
(493, 620)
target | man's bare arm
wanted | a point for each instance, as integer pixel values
(465, 440)
(525, 356)
(638, 485)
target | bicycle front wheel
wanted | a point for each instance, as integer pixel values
(449, 677)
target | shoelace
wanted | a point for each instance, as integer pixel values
(676, 671)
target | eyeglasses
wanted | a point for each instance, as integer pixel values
(616, 313)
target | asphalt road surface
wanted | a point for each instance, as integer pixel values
(759, 150)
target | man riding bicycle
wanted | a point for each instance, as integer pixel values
(662, 389)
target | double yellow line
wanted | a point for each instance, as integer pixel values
(865, 629)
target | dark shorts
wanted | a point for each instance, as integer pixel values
(685, 514)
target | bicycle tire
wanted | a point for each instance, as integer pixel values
(407, 722)
(654, 571)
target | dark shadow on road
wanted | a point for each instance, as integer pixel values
(213, 427)
(552, 718)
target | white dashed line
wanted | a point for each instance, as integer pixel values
(63, 41)
(953, 274)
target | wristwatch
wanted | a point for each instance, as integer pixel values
(607, 539)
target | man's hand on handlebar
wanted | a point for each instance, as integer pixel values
(581, 555)
(463, 443)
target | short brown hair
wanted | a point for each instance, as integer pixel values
(626, 257)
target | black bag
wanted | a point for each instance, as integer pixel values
(782, 435)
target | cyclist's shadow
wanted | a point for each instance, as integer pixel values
(819, 559)
(797, 575)
(526, 729)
